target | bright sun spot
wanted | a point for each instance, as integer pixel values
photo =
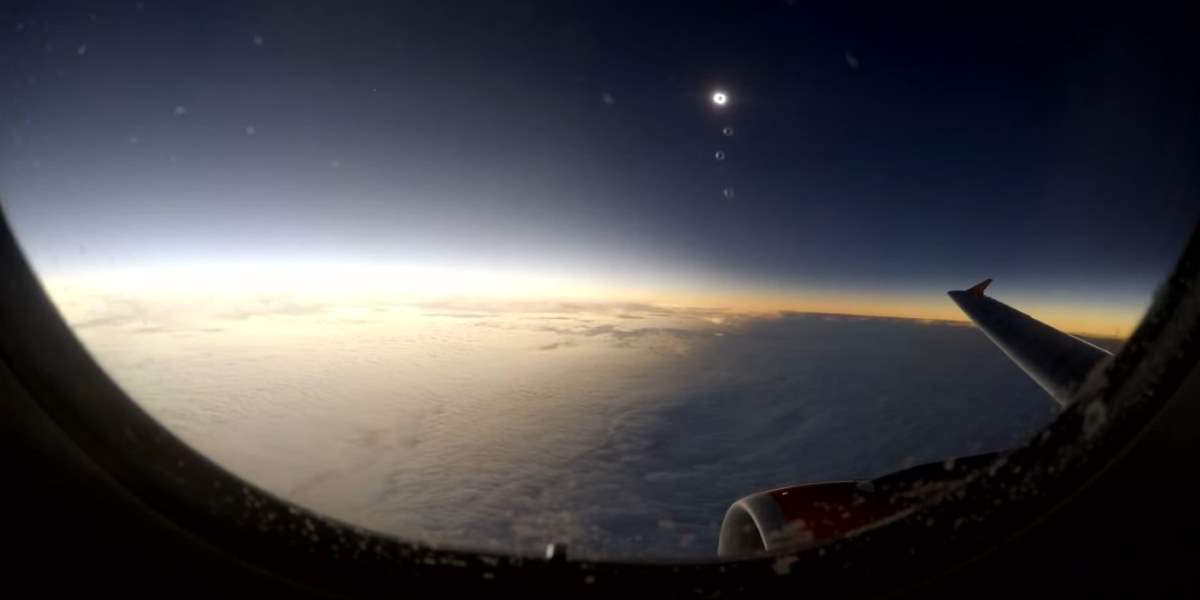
(719, 98)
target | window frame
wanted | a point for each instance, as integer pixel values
(986, 506)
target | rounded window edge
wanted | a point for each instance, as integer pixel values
(964, 518)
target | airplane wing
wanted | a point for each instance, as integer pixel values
(814, 512)
(1056, 361)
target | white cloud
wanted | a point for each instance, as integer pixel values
(508, 425)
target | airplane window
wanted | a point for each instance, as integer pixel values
(628, 282)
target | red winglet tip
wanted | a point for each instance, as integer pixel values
(978, 288)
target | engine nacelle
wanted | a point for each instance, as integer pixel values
(802, 515)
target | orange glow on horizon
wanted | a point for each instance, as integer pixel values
(369, 284)
(1103, 322)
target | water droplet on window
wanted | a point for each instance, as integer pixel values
(180, 110)
(720, 155)
(728, 131)
(851, 60)
(82, 49)
(335, 164)
(783, 565)
(250, 130)
(556, 552)
(728, 193)
(607, 98)
(1094, 417)
(258, 40)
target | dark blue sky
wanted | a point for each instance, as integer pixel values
(876, 153)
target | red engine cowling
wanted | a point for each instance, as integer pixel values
(801, 515)
(808, 514)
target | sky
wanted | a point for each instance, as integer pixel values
(865, 161)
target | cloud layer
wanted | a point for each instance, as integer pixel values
(620, 429)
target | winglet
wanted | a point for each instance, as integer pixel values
(1058, 362)
(978, 288)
